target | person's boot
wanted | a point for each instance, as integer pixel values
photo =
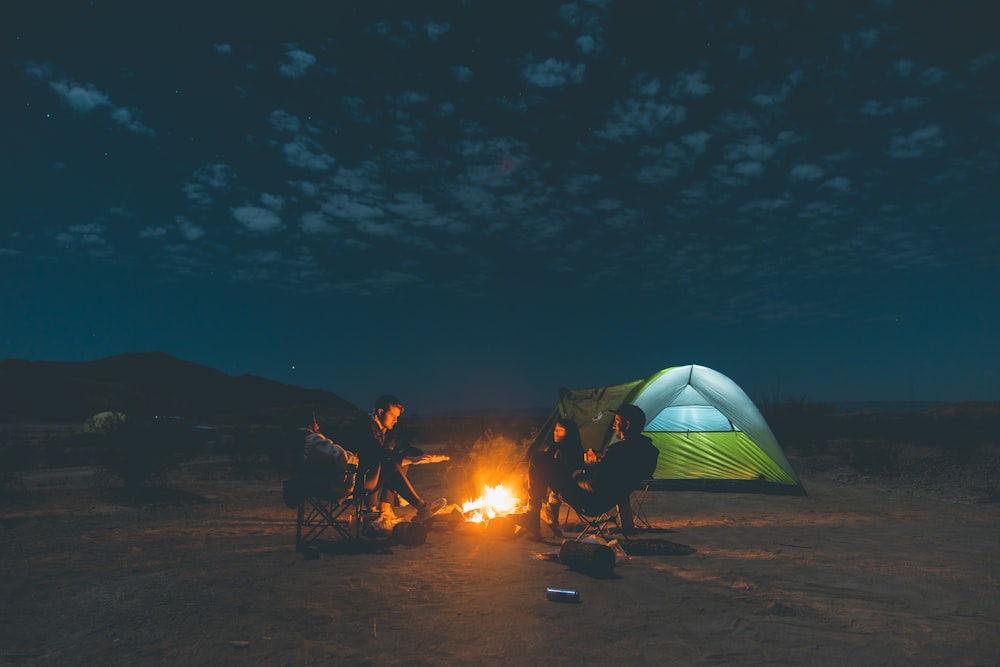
(530, 523)
(550, 512)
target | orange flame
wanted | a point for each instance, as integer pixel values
(496, 501)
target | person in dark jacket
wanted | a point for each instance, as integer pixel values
(565, 448)
(599, 487)
(381, 460)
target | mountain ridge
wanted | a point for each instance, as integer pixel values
(153, 383)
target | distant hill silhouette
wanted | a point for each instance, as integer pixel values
(153, 383)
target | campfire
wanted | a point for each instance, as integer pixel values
(495, 502)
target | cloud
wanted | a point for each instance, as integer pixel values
(933, 76)
(80, 97)
(209, 177)
(696, 142)
(771, 99)
(839, 183)
(282, 121)
(751, 148)
(636, 117)
(435, 30)
(86, 237)
(343, 206)
(315, 222)
(377, 228)
(806, 172)
(273, 202)
(257, 220)
(984, 61)
(300, 153)
(691, 84)
(862, 40)
(462, 73)
(298, 64)
(223, 48)
(217, 175)
(879, 109)
(125, 117)
(153, 233)
(553, 73)
(589, 19)
(903, 67)
(916, 143)
(764, 205)
(189, 230)
(85, 97)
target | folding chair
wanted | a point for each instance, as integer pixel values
(600, 524)
(636, 500)
(327, 511)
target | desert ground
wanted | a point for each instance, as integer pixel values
(860, 572)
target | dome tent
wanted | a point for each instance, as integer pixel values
(710, 434)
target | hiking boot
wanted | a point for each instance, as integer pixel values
(529, 524)
(550, 514)
(429, 509)
(384, 522)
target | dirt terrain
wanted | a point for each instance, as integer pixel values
(860, 572)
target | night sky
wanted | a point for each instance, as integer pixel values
(473, 204)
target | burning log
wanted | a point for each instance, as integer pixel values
(496, 510)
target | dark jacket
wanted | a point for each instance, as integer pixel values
(624, 465)
(373, 447)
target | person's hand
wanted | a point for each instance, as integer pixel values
(428, 458)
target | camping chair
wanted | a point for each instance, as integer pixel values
(597, 525)
(324, 510)
(328, 498)
(633, 512)
(628, 512)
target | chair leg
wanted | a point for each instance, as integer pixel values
(636, 500)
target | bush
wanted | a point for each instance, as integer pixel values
(141, 453)
(871, 457)
(250, 447)
(16, 455)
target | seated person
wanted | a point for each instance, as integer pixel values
(327, 469)
(326, 465)
(601, 486)
(564, 446)
(381, 458)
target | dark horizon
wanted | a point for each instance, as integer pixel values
(148, 364)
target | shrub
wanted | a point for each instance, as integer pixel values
(250, 447)
(871, 457)
(16, 455)
(141, 452)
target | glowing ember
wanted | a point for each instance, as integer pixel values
(497, 501)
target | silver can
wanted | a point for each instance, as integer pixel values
(562, 595)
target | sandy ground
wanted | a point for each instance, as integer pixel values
(854, 574)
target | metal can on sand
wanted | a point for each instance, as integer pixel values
(562, 595)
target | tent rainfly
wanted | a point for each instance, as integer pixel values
(710, 434)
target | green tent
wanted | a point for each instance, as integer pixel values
(710, 434)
